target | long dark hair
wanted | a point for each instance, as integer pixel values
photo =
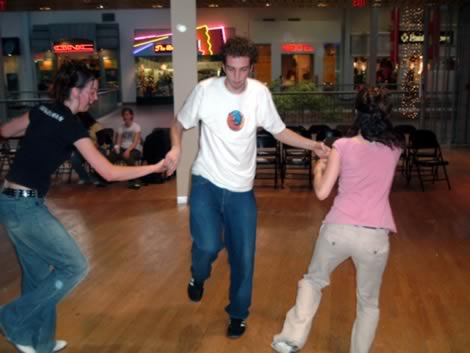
(374, 126)
(71, 74)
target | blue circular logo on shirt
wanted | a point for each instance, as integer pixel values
(235, 120)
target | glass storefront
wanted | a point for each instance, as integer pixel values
(104, 63)
(386, 72)
(154, 67)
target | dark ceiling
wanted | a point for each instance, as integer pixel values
(44, 5)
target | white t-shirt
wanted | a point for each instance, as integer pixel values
(227, 148)
(128, 134)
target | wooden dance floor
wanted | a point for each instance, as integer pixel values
(138, 244)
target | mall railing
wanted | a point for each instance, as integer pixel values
(337, 107)
(13, 105)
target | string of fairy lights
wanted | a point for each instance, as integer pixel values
(411, 61)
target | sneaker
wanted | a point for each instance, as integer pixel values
(284, 347)
(195, 290)
(236, 328)
(100, 184)
(25, 349)
(134, 186)
(59, 345)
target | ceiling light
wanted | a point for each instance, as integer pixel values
(100, 7)
(157, 6)
(44, 8)
(213, 5)
(322, 4)
(268, 4)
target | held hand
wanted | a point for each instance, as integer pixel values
(321, 150)
(160, 167)
(172, 160)
(320, 165)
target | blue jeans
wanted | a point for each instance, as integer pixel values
(52, 265)
(221, 217)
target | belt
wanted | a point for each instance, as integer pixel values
(20, 192)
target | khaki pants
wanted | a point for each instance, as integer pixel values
(369, 250)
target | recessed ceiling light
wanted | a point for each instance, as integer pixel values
(268, 4)
(100, 7)
(157, 6)
(213, 5)
(44, 8)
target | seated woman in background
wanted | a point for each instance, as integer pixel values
(357, 226)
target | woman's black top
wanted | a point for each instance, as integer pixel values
(47, 143)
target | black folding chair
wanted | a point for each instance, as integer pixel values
(296, 163)
(268, 157)
(405, 131)
(425, 156)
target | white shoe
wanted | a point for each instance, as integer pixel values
(25, 349)
(284, 347)
(59, 345)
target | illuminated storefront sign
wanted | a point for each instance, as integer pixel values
(410, 37)
(68, 47)
(297, 48)
(359, 3)
(209, 42)
(163, 48)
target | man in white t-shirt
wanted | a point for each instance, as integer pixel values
(223, 207)
(128, 147)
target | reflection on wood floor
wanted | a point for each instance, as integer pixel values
(138, 244)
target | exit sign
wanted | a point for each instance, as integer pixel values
(359, 3)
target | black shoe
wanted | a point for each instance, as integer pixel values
(195, 290)
(236, 328)
(135, 186)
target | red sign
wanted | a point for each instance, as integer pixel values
(3, 5)
(359, 3)
(297, 48)
(73, 48)
(163, 48)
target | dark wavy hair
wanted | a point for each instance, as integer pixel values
(127, 110)
(239, 46)
(374, 126)
(71, 74)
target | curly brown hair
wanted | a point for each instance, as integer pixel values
(239, 46)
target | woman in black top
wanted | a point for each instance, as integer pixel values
(51, 262)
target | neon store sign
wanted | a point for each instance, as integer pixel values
(163, 48)
(70, 47)
(297, 48)
(209, 41)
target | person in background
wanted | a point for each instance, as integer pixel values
(51, 262)
(363, 100)
(229, 109)
(92, 126)
(357, 227)
(128, 143)
(383, 101)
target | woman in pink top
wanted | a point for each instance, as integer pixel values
(356, 227)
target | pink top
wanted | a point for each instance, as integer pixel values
(365, 179)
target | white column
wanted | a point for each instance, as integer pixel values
(27, 69)
(183, 26)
